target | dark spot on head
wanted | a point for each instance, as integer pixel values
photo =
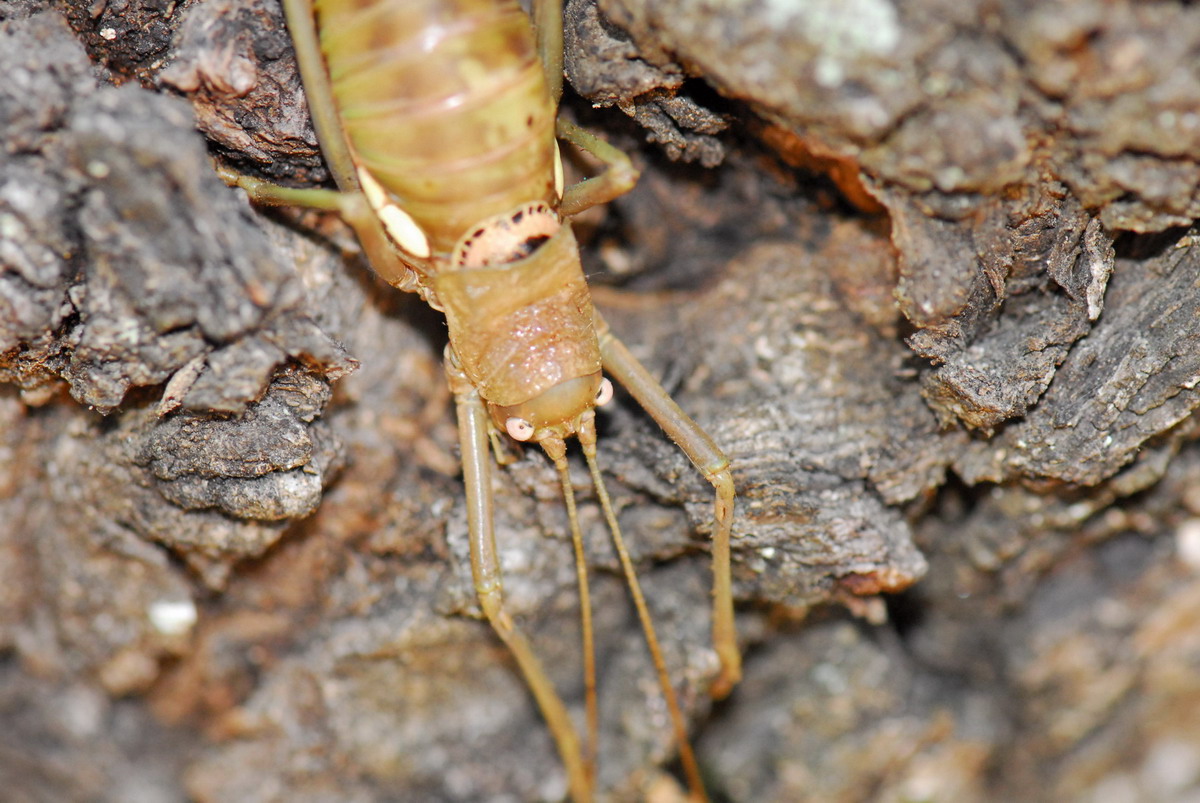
(529, 121)
(517, 218)
(478, 233)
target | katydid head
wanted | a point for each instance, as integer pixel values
(556, 412)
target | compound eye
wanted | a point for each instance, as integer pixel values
(519, 429)
(604, 393)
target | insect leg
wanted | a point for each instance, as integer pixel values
(485, 569)
(350, 202)
(353, 208)
(714, 465)
(619, 175)
(317, 89)
(618, 178)
(548, 27)
(268, 194)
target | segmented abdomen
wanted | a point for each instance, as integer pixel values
(445, 103)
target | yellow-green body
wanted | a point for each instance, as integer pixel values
(544, 310)
(437, 119)
(444, 103)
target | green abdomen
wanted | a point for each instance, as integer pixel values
(445, 103)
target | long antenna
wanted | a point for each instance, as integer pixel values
(556, 449)
(587, 438)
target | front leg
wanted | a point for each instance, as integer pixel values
(485, 569)
(714, 465)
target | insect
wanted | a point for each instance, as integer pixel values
(437, 119)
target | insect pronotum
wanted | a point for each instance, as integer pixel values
(437, 120)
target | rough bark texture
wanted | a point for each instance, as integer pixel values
(922, 271)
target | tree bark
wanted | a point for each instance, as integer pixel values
(925, 273)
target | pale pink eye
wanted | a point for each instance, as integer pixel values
(519, 429)
(605, 393)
